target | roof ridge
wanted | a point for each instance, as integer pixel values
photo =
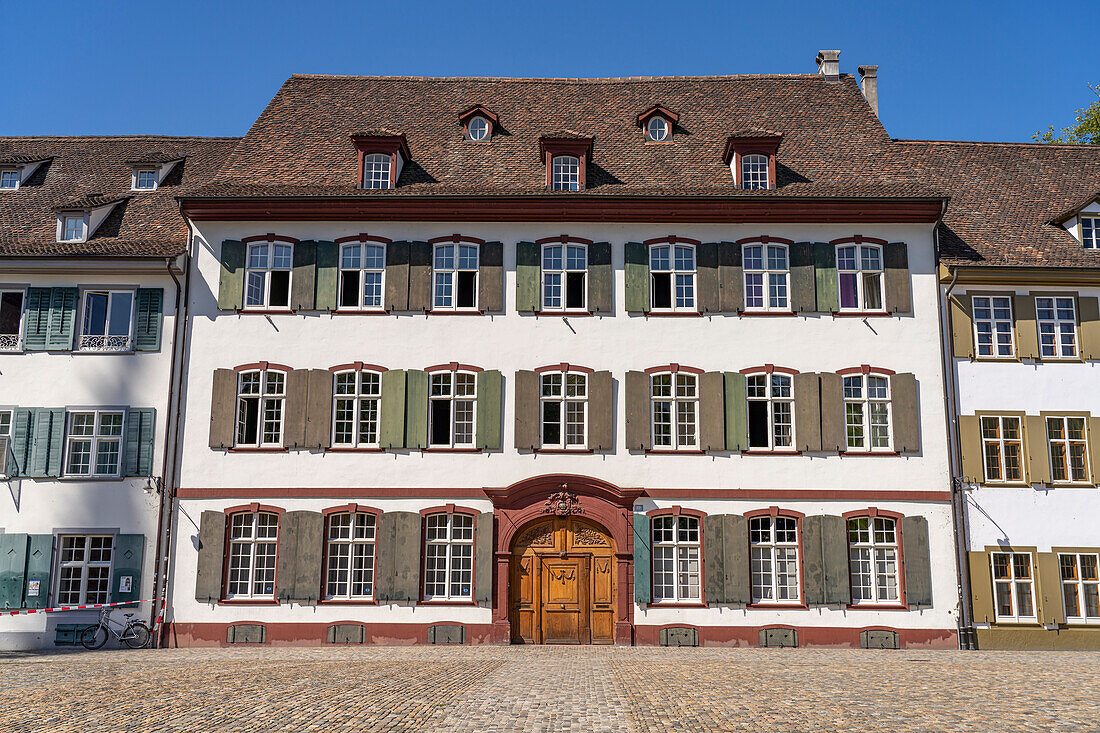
(996, 143)
(119, 137)
(562, 79)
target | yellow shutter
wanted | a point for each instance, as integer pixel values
(1038, 457)
(970, 448)
(962, 326)
(1027, 338)
(1049, 586)
(981, 587)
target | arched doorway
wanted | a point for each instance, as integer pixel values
(562, 583)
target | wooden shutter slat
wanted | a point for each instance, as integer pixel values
(488, 409)
(1027, 337)
(208, 573)
(127, 559)
(528, 274)
(960, 307)
(807, 412)
(491, 278)
(834, 553)
(22, 438)
(318, 427)
(833, 437)
(736, 409)
(149, 319)
(223, 409)
(13, 568)
(905, 409)
(735, 559)
(416, 409)
(39, 566)
(981, 587)
(1088, 313)
(731, 283)
(231, 276)
(918, 561)
(712, 411)
(803, 297)
(706, 264)
(420, 276)
(601, 412)
(643, 581)
(895, 256)
(307, 566)
(48, 436)
(713, 556)
(527, 410)
(327, 276)
(397, 277)
(970, 447)
(36, 319)
(63, 303)
(813, 561)
(297, 402)
(827, 297)
(601, 279)
(638, 433)
(1038, 453)
(636, 277)
(286, 562)
(138, 451)
(1052, 608)
(391, 420)
(406, 548)
(304, 277)
(483, 559)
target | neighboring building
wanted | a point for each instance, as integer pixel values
(92, 252)
(648, 361)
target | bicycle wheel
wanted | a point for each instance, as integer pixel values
(137, 636)
(94, 637)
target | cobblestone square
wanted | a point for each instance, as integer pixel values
(498, 689)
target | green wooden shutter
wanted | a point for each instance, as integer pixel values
(825, 277)
(706, 262)
(36, 319)
(736, 407)
(905, 411)
(813, 561)
(483, 559)
(231, 278)
(223, 409)
(1088, 313)
(140, 435)
(148, 319)
(895, 258)
(981, 587)
(406, 556)
(297, 401)
(528, 275)
(833, 436)
(488, 409)
(7, 459)
(22, 438)
(491, 278)
(636, 277)
(304, 276)
(712, 412)
(318, 430)
(62, 319)
(1027, 337)
(48, 436)
(639, 436)
(803, 297)
(1038, 449)
(416, 409)
(391, 421)
(918, 561)
(735, 559)
(962, 326)
(126, 563)
(731, 279)
(807, 409)
(834, 552)
(713, 555)
(601, 278)
(601, 412)
(39, 564)
(211, 558)
(527, 411)
(327, 276)
(307, 565)
(643, 564)
(970, 447)
(420, 276)
(13, 569)
(384, 558)
(397, 277)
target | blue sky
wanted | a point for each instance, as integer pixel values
(948, 69)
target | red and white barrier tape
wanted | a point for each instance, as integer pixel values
(81, 608)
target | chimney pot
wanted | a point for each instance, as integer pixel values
(828, 64)
(868, 82)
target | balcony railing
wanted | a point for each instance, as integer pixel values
(11, 342)
(105, 343)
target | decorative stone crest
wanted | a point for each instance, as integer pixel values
(563, 503)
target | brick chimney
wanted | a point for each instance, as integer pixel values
(828, 64)
(868, 82)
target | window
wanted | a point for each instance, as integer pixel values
(260, 396)
(1080, 587)
(84, 570)
(94, 443)
(350, 557)
(11, 320)
(675, 558)
(253, 538)
(565, 173)
(453, 399)
(356, 404)
(993, 325)
(376, 170)
(478, 129)
(859, 269)
(657, 128)
(362, 273)
(107, 317)
(1090, 231)
(449, 557)
(564, 408)
(1012, 586)
(1057, 321)
(268, 275)
(675, 410)
(754, 171)
(9, 179)
(1068, 451)
(867, 412)
(1003, 449)
(873, 560)
(72, 228)
(770, 411)
(767, 276)
(145, 179)
(564, 270)
(774, 559)
(455, 273)
(672, 277)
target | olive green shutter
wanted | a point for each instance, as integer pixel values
(483, 559)
(736, 409)
(397, 277)
(731, 283)
(601, 412)
(488, 409)
(301, 542)
(643, 585)
(638, 433)
(895, 257)
(223, 409)
(62, 319)
(803, 297)
(208, 573)
(1052, 608)
(601, 278)
(1088, 312)
(1038, 450)
(416, 409)
(39, 564)
(528, 275)
(526, 432)
(1094, 447)
(905, 408)
(126, 562)
(1027, 337)
(636, 277)
(962, 325)
(391, 427)
(36, 319)
(420, 276)
(48, 436)
(297, 400)
(825, 277)
(807, 412)
(706, 262)
(735, 559)
(22, 438)
(491, 278)
(13, 569)
(231, 277)
(327, 277)
(286, 556)
(970, 447)
(406, 556)
(304, 277)
(981, 587)
(712, 412)
(318, 428)
(813, 560)
(148, 319)
(140, 434)
(833, 437)
(713, 555)
(834, 554)
(384, 558)
(918, 561)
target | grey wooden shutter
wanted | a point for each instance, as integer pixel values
(223, 409)
(527, 410)
(735, 559)
(126, 562)
(905, 409)
(713, 557)
(638, 433)
(318, 428)
(327, 276)
(827, 297)
(813, 561)
(488, 409)
(731, 280)
(36, 319)
(39, 565)
(636, 277)
(13, 569)
(601, 412)
(736, 408)
(63, 303)
(833, 437)
(297, 401)
(491, 278)
(307, 566)
(834, 553)
(807, 412)
(803, 296)
(384, 558)
(416, 409)
(148, 319)
(918, 561)
(601, 278)
(140, 433)
(47, 449)
(706, 262)
(528, 274)
(286, 563)
(483, 559)
(22, 438)
(397, 276)
(406, 558)
(895, 257)
(231, 276)
(391, 420)
(304, 277)
(208, 573)
(712, 411)
(643, 581)
(420, 276)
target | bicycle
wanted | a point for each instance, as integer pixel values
(135, 634)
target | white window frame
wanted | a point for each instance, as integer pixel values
(6, 418)
(993, 331)
(880, 555)
(445, 278)
(775, 395)
(377, 171)
(774, 283)
(63, 228)
(864, 275)
(755, 172)
(4, 173)
(85, 564)
(106, 342)
(486, 132)
(658, 129)
(351, 538)
(568, 266)
(269, 401)
(97, 439)
(453, 398)
(14, 342)
(1090, 235)
(1014, 583)
(457, 555)
(682, 553)
(252, 544)
(679, 278)
(569, 394)
(1060, 329)
(771, 547)
(676, 413)
(565, 173)
(995, 447)
(135, 180)
(360, 272)
(1066, 444)
(865, 402)
(265, 270)
(1081, 586)
(365, 398)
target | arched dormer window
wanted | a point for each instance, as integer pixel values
(381, 158)
(751, 156)
(566, 159)
(478, 124)
(566, 173)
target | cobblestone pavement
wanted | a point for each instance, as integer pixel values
(500, 689)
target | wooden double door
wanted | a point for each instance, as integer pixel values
(562, 583)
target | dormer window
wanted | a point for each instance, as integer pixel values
(78, 219)
(72, 228)
(15, 169)
(478, 123)
(145, 179)
(566, 173)
(750, 154)
(478, 129)
(657, 123)
(376, 171)
(1090, 232)
(381, 158)
(657, 128)
(148, 170)
(1083, 222)
(754, 171)
(9, 179)
(566, 159)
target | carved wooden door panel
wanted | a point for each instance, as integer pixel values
(565, 602)
(524, 591)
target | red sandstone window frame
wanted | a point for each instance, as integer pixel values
(578, 147)
(391, 145)
(678, 511)
(899, 538)
(739, 146)
(773, 512)
(448, 509)
(352, 509)
(230, 512)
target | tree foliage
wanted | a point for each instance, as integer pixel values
(1086, 129)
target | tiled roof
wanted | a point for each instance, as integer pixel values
(1004, 197)
(88, 171)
